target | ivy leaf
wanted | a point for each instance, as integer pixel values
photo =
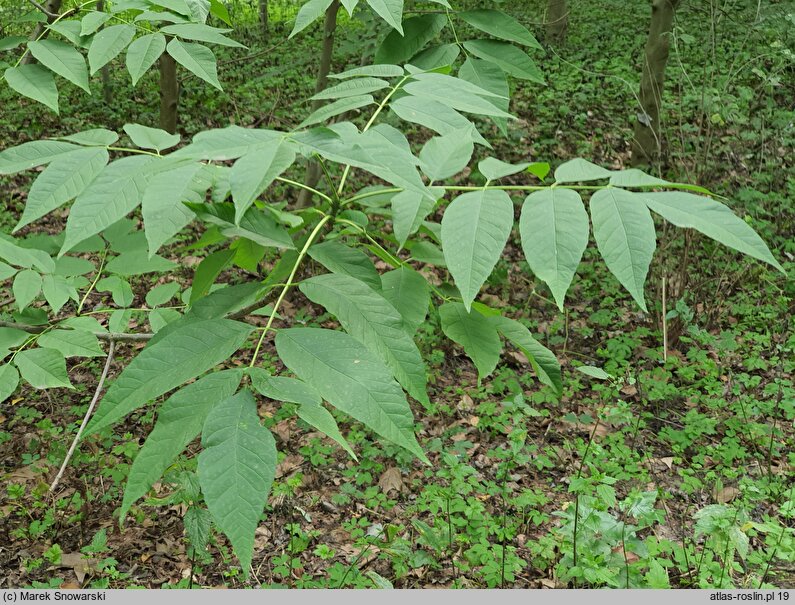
(64, 179)
(346, 375)
(179, 421)
(475, 229)
(107, 44)
(475, 333)
(34, 82)
(63, 59)
(191, 347)
(373, 321)
(236, 470)
(711, 218)
(554, 231)
(197, 59)
(43, 368)
(624, 233)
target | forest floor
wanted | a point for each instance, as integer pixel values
(679, 469)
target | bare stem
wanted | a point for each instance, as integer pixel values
(93, 403)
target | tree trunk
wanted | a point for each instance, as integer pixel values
(647, 141)
(53, 7)
(557, 22)
(313, 168)
(107, 89)
(263, 19)
(169, 93)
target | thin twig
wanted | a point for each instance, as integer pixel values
(43, 9)
(94, 400)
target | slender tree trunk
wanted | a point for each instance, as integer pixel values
(107, 89)
(647, 141)
(53, 7)
(313, 168)
(169, 93)
(557, 23)
(263, 19)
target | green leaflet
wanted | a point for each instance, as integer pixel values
(253, 173)
(256, 225)
(143, 53)
(624, 233)
(339, 258)
(107, 44)
(92, 22)
(72, 343)
(43, 368)
(188, 349)
(197, 59)
(509, 58)
(162, 204)
(150, 138)
(711, 218)
(57, 291)
(351, 88)
(390, 11)
(491, 77)
(579, 170)
(336, 108)
(26, 257)
(433, 115)
(63, 59)
(119, 289)
(113, 193)
(434, 57)
(417, 32)
(456, 94)
(101, 137)
(446, 156)
(138, 262)
(475, 332)
(9, 381)
(496, 23)
(475, 229)
(409, 209)
(376, 71)
(409, 293)
(373, 321)
(554, 231)
(201, 33)
(310, 404)
(32, 154)
(544, 362)
(236, 470)
(34, 82)
(179, 421)
(208, 271)
(308, 13)
(345, 374)
(26, 287)
(227, 143)
(494, 169)
(161, 294)
(65, 178)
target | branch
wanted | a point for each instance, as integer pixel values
(106, 336)
(43, 9)
(94, 400)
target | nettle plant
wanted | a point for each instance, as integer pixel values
(231, 180)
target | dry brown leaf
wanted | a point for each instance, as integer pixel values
(79, 563)
(725, 495)
(391, 480)
(288, 465)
